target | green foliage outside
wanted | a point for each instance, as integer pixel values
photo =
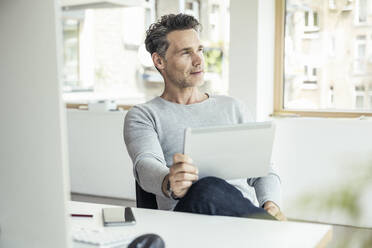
(213, 60)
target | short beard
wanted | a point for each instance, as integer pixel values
(183, 84)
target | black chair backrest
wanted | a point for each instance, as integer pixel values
(145, 199)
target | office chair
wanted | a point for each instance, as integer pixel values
(145, 199)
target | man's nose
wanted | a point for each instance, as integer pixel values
(197, 59)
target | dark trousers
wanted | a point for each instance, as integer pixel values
(215, 196)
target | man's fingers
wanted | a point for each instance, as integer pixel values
(280, 216)
(182, 184)
(183, 167)
(181, 158)
(272, 210)
(184, 176)
(276, 213)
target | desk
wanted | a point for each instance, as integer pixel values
(193, 230)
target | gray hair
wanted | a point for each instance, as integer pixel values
(156, 35)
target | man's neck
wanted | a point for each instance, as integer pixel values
(184, 96)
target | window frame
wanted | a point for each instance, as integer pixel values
(279, 77)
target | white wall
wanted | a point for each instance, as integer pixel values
(252, 54)
(322, 159)
(33, 158)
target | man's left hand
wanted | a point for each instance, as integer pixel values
(274, 210)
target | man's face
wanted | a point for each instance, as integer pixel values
(184, 60)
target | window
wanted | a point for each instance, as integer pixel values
(101, 49)
(311, 24)
(359, 97)
(331, 4)
(331, 96)
(310, 77)
(311, 19)
(332, 46)
(361, 13)
(316, 76)
(348, 6)
(192, 8)
(105, 58)
(71, 69)
(360, 54)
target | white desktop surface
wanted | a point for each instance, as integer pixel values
(193, 230)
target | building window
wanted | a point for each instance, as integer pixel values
(331, 97)
(360, 55)
(311, 24)
(311, 19)
(331, 4)
(338, 57)
(361, 14)
(192, 8)
(359, 96)
(310, 77)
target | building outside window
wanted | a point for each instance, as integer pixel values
(329, 62)
(361, 13)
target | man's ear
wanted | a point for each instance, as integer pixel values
(158, 60)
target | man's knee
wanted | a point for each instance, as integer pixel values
(208, 183)
(206, 188)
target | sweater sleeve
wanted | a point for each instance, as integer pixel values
(267, 188)
(141, 139)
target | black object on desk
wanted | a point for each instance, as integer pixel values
(147, 241)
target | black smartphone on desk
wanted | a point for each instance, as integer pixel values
(118, 216)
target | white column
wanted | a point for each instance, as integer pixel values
(252, 33)
(33, 149)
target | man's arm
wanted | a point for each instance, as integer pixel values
(268, 189)
(150, 168)
(141, 139)
(268, 193)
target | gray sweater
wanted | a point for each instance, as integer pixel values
(154, 132)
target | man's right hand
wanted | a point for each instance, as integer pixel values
(182, 174)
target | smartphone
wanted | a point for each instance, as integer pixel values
(118, 216)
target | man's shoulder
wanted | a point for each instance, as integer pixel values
(236, 105)
(146, 106)
(225, 99)
(142, 111)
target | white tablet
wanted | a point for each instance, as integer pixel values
(231, 152)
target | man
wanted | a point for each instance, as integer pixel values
(153, 132)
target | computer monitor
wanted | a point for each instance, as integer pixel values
(33, 160)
